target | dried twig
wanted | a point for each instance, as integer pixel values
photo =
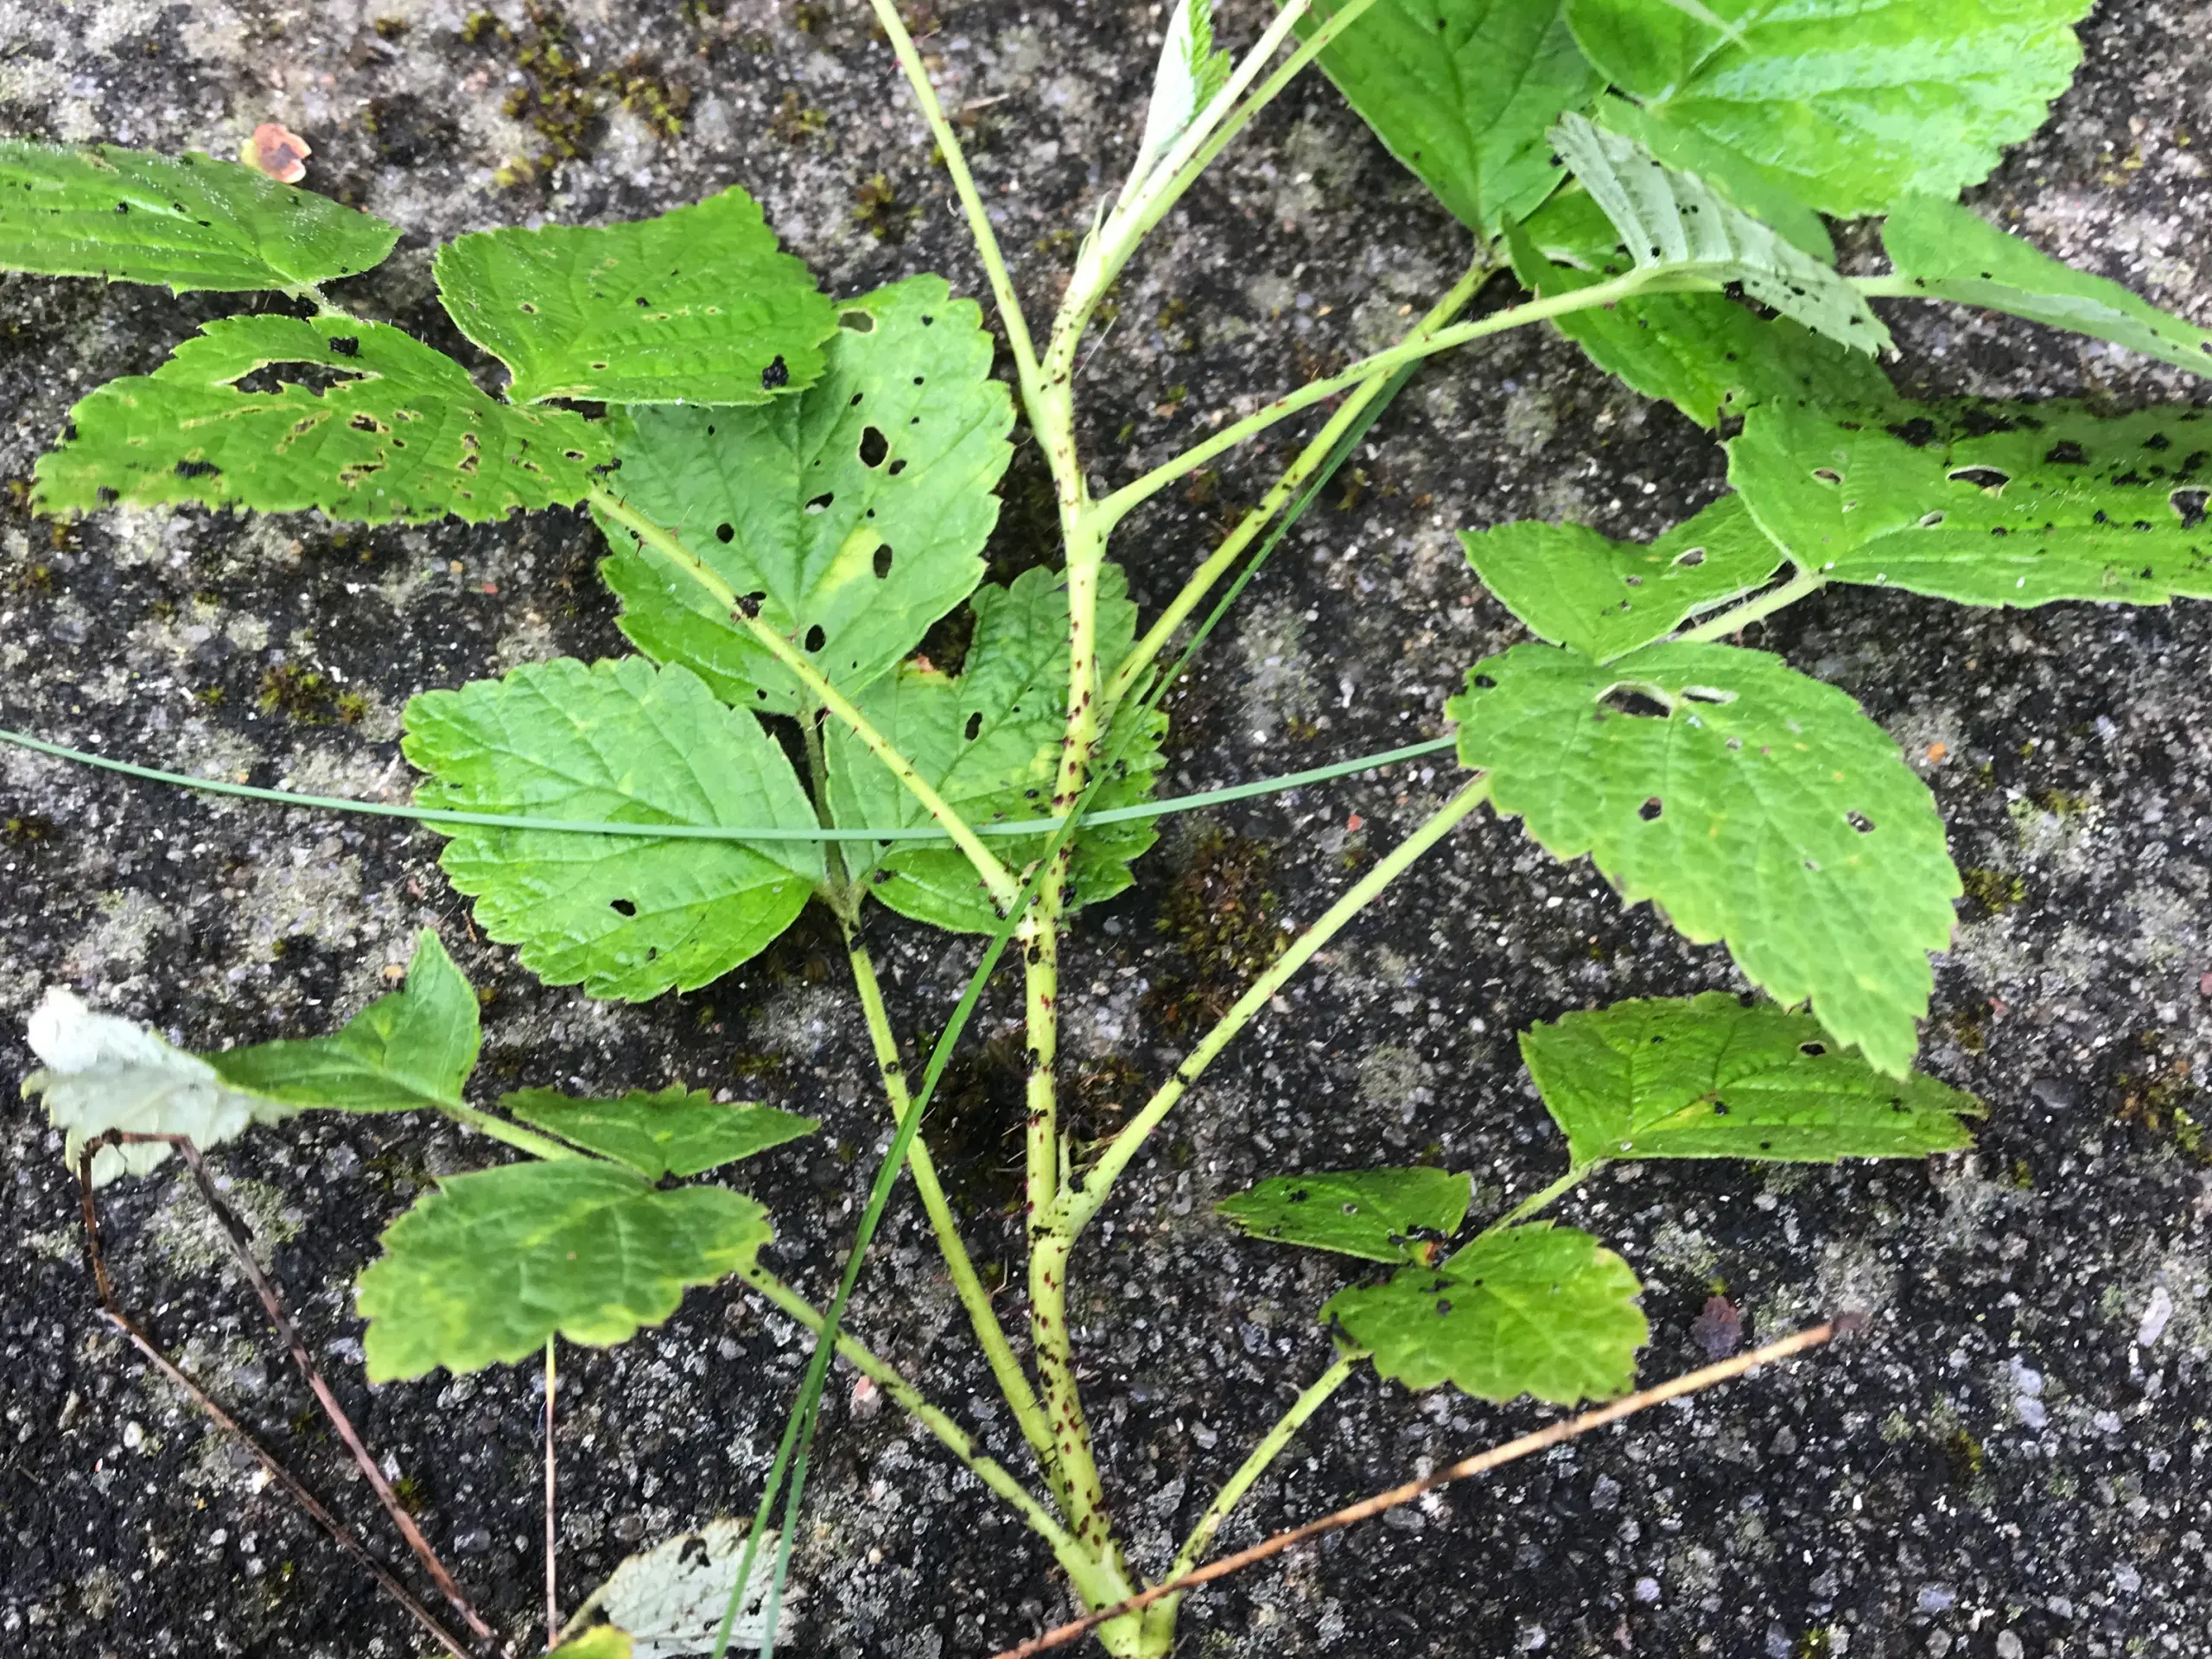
(104, 1289)
(1692, 1383)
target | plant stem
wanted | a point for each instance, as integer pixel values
(1650, 279)
(1089, 1194)
(537, 1146)
(1013, 1381)
(552, 1586)
(1542, 1196)
(1098, 1581)
(1269, 1448)
(1003, 888)
(1316, 452)
(1759, 606)
(1895, 285)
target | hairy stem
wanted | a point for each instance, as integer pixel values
(1758, 606)
(1269, 1448)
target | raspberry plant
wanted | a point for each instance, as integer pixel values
(795, 488)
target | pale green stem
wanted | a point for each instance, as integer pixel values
(1089, 1194)
(1099, 1582)
(1003, 888)
(1654, 279)
(1269, 1448)
(1543, 1197)
(1013, 1380)
(1223, 558)
(514, 1134)
(1757, 607)
(552, 1582)
(1894, 286)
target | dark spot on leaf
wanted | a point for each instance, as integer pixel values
(1651, 809)
(1483, 683)
(896, 468)
(1828, 474)
(1443, 1308)
(643, 301)
(1919, 432)
(2158, 441)
(975, 726)
(1815, 1049)
(776, 375)
(857, 323)
(2190, 504)
(874, 447)
(1859, 822)
(883, 562)
(724, 533)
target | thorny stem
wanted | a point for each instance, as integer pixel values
(1757, 607)
(1003, 888)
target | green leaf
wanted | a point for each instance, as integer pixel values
(1463, 93)
(697, 306)
(1674, 219)
(1954, 254)
(989, 741)
(189, 221)
(1704, 1076)
(101, 1072)
(412, 1049)
(857, 511)
(483, 1271)
(1538, 1310)
(1855, 105)
(1703, 352)
(668, 1600)
(676, 1131)
(1605, 598)
(1985, 503)
(401, 432)
(1190, 75)
(623, 916)
(1382, 1215)
(1765, 196)
(1753, 805)
(600, 1642)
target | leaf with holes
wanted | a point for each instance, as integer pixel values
(624, 917)
(1748, 187)
(1704, 1076)
(857, 512)
(483, 1271)
(697, 306)
(415, 1048)
(1381, 1214)
(1605, 598)
(676, 1131)
(1675, 221)
(1190, 73)
(1463, 93)
(1952, 253)
(1540, 1310)
(668, 1601)
(1987, 503)
(281, 413)
(989, 741)
(1854, 104)
(188, 221)
(1753, 805)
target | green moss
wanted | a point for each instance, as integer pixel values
(298, 693)
(1223, 916)
(879, 209)
(795, 121)
(1995, 890)
(561, 101)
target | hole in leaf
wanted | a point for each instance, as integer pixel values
(1633, 581)
(874, 447)
(1483, 683)
(2190, 504)
(820, 503)
(1690, 556)
(897, 467)
(882, 563)
(1708, 694)
(366, 422)
(815, 638)
(196, 468)
(1298, 1196)
(1828, 474)
(1814, 1049)
(529, 308)
(975, 728)
(1982, 478)
(776, 376)
(1350, 1209)
(1627, 700)
(643, 301)
(270, 379)
(622, 907)
(1651, 809)
(1443, 1308)
(857, 323)
(1929, 520)
(345, 346)
(1720, 1109)
(1813, 865)
(724, 533)
(855, 403)
(1859, 822)
(2066, 453)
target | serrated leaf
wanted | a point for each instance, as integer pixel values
(857, 510)
(1704, 1076)
(1986, 503)
(188, 221)
(673, 1131)
(1381, 1214)
(1753, 805)
(1463, 93)
(1747, 185)
(1605, 598)
(1856, 104)
(483, 1271)
(1670, 219)
(1539, 1310)
(400, 432)
(1953, 253)
(989, 741)
(1190, 72)
(623, 916)
(103, 1072)
(413, 1049)
(1703, 352)
(696, 306)
(669, 1600)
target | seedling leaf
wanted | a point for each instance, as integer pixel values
(1463, 93)
(1604, 598)
(412, 1049)
(1987, 503)
(103, 1072)
(676, 1131)
(189, 221)
(483, 1271)
(1955, 254)
(856, 511)
(1675, 219)
(989, 742)
(669, 1600)
(1753, 805)
(1539, 1310)
(1381, 1214)
(1855, 105)
(1190, 73)
(401, 432)
(1704, 1076)
(697, 306)
(623, 916)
